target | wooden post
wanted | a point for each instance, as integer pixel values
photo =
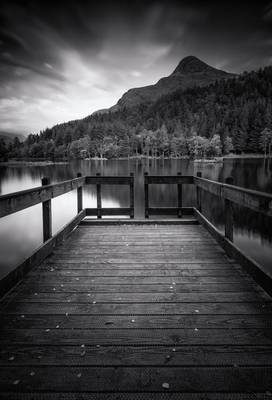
(179, 198)
(229, 214)
(131, 192)
(198, 194)
(79, 195)
(99, 200)
(46, 214)
(146, 194)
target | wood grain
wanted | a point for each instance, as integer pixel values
(119, 310)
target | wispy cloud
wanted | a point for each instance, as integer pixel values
(63, 60)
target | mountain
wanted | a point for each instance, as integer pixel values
(198, 110)
(9, 136)
(190, 72)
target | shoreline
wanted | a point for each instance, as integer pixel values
(31, 163)
(18, 163)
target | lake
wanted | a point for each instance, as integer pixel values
(21, 233)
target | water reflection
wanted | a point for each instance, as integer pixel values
(23, 232)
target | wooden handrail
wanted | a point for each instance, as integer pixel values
(99, 180)
(168, 180)
(255, 200)
(252, 199)
(108, 180)
(17, 201)
(13, 202)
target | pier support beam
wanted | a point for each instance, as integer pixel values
(79, 195)
(146, 195)
(99, 199)
(46, 214)
(179, 185)
(229, 214)
(198, 193)
(131, 195)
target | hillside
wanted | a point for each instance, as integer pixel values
(9, 137)
(190, 72)
(204, 119)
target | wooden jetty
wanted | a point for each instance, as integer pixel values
(137, 309)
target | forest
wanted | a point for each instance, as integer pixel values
(233, 115)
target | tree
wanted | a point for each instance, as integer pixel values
(236, 109)
(197, 146)
(3, 148)
(227, 145)
(266, 141)
(215, 146)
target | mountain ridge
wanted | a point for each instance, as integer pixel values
(228, 114)
(190, 72)
(10, 136)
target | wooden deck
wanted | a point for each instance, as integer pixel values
(137, 311)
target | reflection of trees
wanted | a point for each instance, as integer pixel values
(246, 221)
(3, 176)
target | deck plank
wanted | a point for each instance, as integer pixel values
(109, 379)
(118, 310)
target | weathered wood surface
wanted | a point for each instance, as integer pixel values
(13, 202)
(46, 214)
(106, 210)
(108, 180)
(39, 255)
(255, 200)
(147, 395)
(264, 279)
(170, 179)
(117, 312)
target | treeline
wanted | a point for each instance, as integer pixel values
(229, 115)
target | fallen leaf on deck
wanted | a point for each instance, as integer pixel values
(165, 385)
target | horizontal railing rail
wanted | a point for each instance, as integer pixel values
(254, 200)
(109, 180)
(17, 201)
(99, 180)
(168, 180)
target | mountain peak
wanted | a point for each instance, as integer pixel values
(189, 73)
(190, 65)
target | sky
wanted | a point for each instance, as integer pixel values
(63, 60)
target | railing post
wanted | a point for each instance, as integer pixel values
(229, 214)
(79, 196)
(198, 194)
(46, 214)
(131, 192)
(99, 200)
(146, 194)
(179, 198)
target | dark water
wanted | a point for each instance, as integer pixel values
(21, 233)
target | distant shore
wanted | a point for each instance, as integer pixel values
(21, 163)
(41, 163)
(250, 155)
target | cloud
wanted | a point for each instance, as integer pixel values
(136, 74)
(61, 61)
(268, 13)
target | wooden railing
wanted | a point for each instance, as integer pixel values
(178, 180)
(99, 180)
(17, 201)
(252, 199)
